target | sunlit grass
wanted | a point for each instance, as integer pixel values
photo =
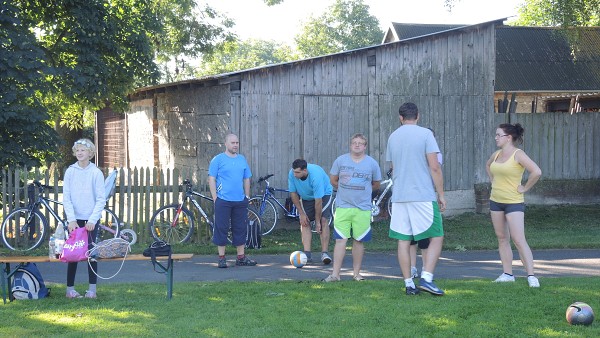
(374, 308)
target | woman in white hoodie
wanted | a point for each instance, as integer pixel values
(84, 199)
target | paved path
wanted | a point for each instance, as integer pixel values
(452, 265)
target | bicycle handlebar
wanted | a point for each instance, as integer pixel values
(264, 178)
(38, 184)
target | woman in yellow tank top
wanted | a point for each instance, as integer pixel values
(507, 208)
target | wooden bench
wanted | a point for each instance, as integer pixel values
(7, 272)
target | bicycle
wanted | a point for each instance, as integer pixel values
(174, 223)
(382, 194)
(265, 205)
(25, 228)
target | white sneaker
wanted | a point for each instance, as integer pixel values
(505, 278)
(533, 282)
(414, 273)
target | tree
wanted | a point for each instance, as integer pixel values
(25, 135)
(237, 55)
(564, 13)
(345, 25)
(90, 53)
(188, 32)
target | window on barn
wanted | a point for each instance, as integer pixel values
(573, 104)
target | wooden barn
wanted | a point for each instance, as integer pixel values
(310, 108)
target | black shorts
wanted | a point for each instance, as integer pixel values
(507, 207)
(423, 243)
(309, 208)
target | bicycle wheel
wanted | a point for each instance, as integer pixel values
(109, 225)
(267, 213)
(255, 219)
(129, 235)
(389, 206)
(24, 231)
(172, 224)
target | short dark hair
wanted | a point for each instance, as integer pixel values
(409, 111)
(299, 164)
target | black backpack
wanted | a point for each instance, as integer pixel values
(27, 283)
(254, 237)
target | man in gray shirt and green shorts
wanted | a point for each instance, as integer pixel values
(355, 175)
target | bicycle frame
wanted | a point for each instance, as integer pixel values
(189, 195)
(269, 195)
(44, 201)
(41, 200)
(375, 208)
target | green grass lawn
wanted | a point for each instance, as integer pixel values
(375, 308)
(546, 227)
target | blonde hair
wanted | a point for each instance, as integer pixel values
(89, 145)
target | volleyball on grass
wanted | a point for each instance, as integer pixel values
(580, 313)
(298, 259)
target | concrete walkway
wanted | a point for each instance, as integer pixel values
(452, 265)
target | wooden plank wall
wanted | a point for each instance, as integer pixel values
(565, 146)
(310, 109)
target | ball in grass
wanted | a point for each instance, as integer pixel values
(298, 259)
(580, 313)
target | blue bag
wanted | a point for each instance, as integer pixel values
(27, 283)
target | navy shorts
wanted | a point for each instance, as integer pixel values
(230, 213)
(507, 207)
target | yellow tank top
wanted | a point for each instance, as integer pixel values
(507, 177)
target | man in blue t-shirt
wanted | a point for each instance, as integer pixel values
(229, 182)
(310, 183)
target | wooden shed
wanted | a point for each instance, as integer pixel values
(310, 108)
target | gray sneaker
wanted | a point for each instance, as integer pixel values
(245, 262)
(222, 263)
(325, 258)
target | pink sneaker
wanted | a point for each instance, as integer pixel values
(73, 294)
(90, 294)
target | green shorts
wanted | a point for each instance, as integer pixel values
(352, 222)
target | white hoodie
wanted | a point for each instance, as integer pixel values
(83, 193)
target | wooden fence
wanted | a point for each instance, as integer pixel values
(139, 192)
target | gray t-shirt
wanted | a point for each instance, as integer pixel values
(354, 185)
(407, 149)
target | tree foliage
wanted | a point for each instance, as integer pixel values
(64, 57)
(237, 55)
(346, 25)
(564, 13)
(25, 135)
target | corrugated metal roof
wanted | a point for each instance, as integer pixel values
(542, 59)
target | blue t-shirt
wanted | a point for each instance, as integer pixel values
(355, 181)
(316, 184)
(407, 149)
(230, 173)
